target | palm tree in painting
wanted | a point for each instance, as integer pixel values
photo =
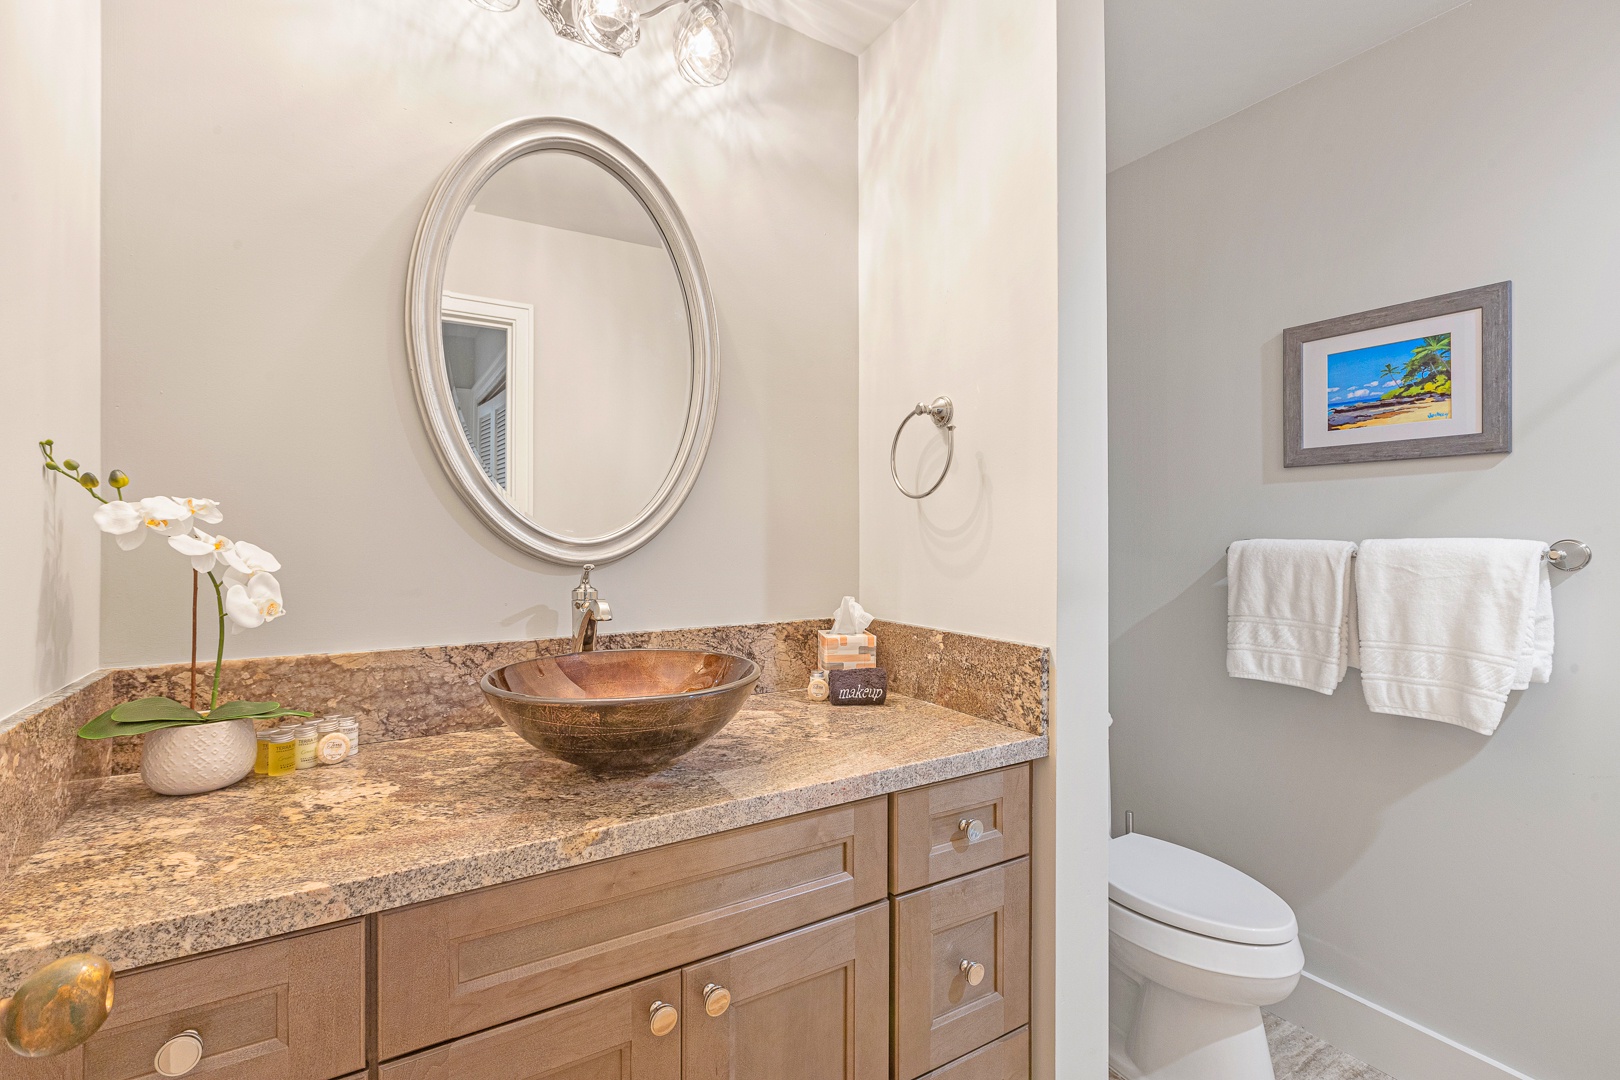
(1431, 361)
(1388, 372)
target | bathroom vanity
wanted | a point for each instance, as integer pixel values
(818, 893)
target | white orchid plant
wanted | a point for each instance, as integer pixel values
(246, 593)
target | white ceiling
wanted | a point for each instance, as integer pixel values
(1176, 66)
(850, 25)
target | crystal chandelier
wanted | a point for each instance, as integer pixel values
(703, 40)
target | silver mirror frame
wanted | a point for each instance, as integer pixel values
(424, 340)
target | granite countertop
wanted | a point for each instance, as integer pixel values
(141, 878)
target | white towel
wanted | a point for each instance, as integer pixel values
(1290, 612)
(1449, 627)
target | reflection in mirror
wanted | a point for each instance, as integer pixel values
(567, 344)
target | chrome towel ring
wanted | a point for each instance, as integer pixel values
(941, 411)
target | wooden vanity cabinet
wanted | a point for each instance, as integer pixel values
(291, 1008)
(624, 1034)
(466, 963)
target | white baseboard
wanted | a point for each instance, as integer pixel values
(1385, 1040)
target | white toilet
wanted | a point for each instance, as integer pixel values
(1196, 947)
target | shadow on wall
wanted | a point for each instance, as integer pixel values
(54, 649)
(1331, 802)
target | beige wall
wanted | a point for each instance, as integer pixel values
(50, 156)
(266, 162)
(1071, 786)
(959, 297)
(1465, 883)
(979, 122)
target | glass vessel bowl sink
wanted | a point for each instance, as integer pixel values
(621, 712)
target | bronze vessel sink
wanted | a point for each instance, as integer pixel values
(621, 712)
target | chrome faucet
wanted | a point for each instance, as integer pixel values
(589, 609)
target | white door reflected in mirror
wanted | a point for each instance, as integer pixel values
(567, 344)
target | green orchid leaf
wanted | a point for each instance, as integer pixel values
(147, 709)
(244, 710)
(105, 727)
(279, 713)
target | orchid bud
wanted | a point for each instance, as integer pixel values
(89, 481)
(48, 442)
(70, 464)
(53, 466)
(117, 479)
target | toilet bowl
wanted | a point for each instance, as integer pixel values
(1195, 949)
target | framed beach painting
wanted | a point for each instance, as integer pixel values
(1433, 378)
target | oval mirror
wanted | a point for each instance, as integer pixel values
(562, 340)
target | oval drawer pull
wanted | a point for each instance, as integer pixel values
(972, 828)
(973, 972)
(663, 1017)
(716, 999)
(179, 1055)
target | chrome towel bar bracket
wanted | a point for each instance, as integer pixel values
(941, 412)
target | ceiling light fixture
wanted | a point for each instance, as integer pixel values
(703, 40)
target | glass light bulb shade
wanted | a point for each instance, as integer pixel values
(703, 43)
(614, 26)
(497, 5)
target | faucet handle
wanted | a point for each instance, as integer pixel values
(585, 592)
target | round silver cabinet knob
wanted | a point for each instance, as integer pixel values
(972, 828)
(179, 1055)
(663, 1017)
(973, 972)
(716, 999)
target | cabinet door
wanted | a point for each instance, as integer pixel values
(961, 966)
(810, 1005)
(612, 1036)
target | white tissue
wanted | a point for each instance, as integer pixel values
(850, 618)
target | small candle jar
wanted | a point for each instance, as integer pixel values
(819, 688)
(261, 752)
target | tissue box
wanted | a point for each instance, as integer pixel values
(845, 652)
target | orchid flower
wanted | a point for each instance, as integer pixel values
(255, 603)
(122, 521)
(246, 560)
(205, 551)
(164, 515)
(204, 510)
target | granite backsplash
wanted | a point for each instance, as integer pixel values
(46, 772)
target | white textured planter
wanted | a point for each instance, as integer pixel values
(198, 758)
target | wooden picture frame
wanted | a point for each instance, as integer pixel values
(1445, 387)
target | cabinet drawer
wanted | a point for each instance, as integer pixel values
(927, 841)
(288, 1009)
(1005, 1059)
(465, 963)
(982, 918)
(606, 1037)
(808, 1005)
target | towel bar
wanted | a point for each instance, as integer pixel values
(1566, 555)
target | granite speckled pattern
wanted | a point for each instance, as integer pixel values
(140, 878)
(46, 772)
(411, 693)
(1000, 681)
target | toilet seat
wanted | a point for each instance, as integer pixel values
(1209, 954)
(1190, 891)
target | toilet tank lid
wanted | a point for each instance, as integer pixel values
(1190, 890)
